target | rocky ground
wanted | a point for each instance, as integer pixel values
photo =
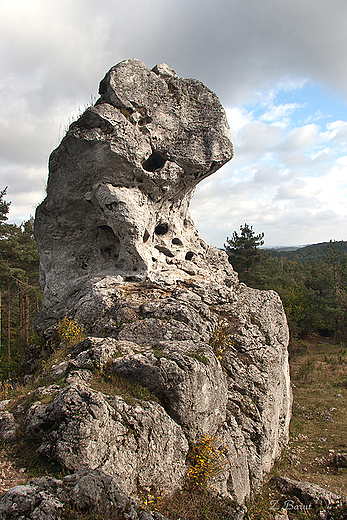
(317, 440)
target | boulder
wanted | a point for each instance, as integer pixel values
(139, 445)
(120, 254)
(308, 493)
(340, 460)
(8, 426)
(84, 491)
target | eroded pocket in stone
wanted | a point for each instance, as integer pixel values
(108, 243)
(154, 162)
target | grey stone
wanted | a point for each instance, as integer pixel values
(120, 253)
(94, 353)
(4, 403)
(191, 383)
(36, 501)
(86, 491)
(46, 390)
(139, 444)
(307, 492)
(8, 426)
(340, 460)
(119, 188)
(59, 370)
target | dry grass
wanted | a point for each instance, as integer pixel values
(113, 384)
(319, 422)
(195, 504)
(318, 427)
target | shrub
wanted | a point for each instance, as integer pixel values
(221, 341)
(70, 332)
(207, 460)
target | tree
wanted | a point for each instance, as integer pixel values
(19, 292)
(243, 249)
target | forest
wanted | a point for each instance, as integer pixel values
(311, 281)
(20, 295)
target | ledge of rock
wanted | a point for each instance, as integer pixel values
(89, 491)
(120, 254)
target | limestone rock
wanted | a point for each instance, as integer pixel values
(140, 445)
(120, 184)
(308, 493)
(340, 460)
(8, 426)
(120, 253)
(190, 383)
(85, 491)
(36, 501)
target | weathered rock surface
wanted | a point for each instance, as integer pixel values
(8, 426)
(120, 184)
(86, 491)
(308, 493)
(340, 460)
(120, 254)
(139, 445)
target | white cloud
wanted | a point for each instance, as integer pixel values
(286, 178)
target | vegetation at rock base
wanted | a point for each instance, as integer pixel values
(70, 332)
(112, 384)
(207, 460)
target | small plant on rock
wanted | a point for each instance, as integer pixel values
(207, 460)
(221, 341)
(70, 332)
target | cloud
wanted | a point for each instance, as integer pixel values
(53, 55)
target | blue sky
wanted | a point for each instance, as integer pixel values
(289, 174)
(279, 68)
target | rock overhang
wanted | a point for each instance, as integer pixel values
(122, 178)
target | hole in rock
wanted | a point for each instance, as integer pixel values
(177, 242)
(108, 243)
(145, 120)
(145, 236)
(139, 180)
(189, 255)
(154, 259)
(111, 205)
(154, 162)
(161, 229)
(165, 251)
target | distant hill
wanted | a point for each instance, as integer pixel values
(305, 253)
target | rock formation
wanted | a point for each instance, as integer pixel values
(120, 184)
(120, 253)
(85, 491)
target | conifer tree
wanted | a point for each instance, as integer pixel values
(243, 249)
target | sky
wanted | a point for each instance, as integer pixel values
(278, 67)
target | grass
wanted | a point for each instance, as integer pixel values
(318, 429)
(70, 513)
(319, 421)
(195, 504)
(113, 384)
(199, 356)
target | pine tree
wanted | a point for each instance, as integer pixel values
(243, 249)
